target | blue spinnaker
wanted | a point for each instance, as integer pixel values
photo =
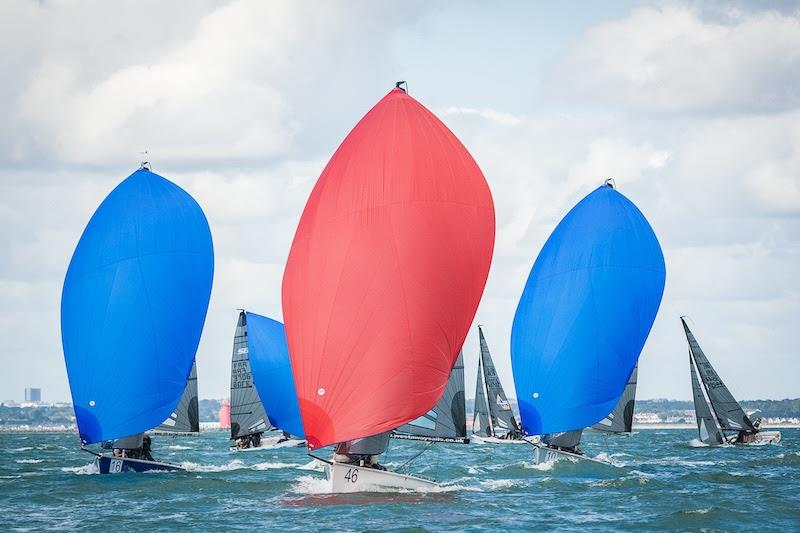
(133, 306)
(272, 373)
(585, 314)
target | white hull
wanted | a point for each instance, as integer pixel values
(477, 439)
(271, 443)
(353, 478)
(545, 454)
(762, 438)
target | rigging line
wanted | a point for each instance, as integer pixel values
(425, 449)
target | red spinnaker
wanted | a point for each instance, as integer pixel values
(385, 273)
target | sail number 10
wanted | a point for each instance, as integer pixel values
(351, 475)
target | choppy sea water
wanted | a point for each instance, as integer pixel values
(663, 481)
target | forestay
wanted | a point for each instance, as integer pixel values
(385, 273)
(730, 415)
(133, 306)
(247, 412)
(707, 428)
(620, 419)
(480, 418)
(186, 417)
(502, 416)
(447, 421)
(272, 373)
(585, 314)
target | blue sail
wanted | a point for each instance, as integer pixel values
(272, 373)
(585, 314)
(133, 306)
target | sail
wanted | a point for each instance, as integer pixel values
(730, 415)
(131, 442)
(566, 439)
(247, 411)
(503, 421)
(372, 445)
(385, 273)
(133, 306)
(480, 418)
(186, 417)
(707, 428)
(447, 421)
(585, 314)
(620, 419)
(272, 373)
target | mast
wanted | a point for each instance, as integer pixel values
(707, 429)
(247, 412)
(185, 418)
(620, 419)
(447, 421)
(730, 415)
(501, 414)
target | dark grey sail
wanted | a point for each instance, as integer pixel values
(132, 442)
(707, 429)
(480, 417)
(620, 419)
(730, 415)
(372, 445)
(447, 421)
(568, 440)
(248, 416)
(503, 420)
(186, 417)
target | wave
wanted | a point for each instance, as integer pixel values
(272, 466)
(236, 464)
(29, 461)
(23, 449)
(542, 467)
(177, 447)
(314, 465)
(91, 468)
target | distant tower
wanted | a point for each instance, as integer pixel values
(33, 395)
(225, 414)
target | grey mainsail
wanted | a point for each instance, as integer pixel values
(372, 445)
(620, 419)
(186, 417)
(480, 417)
(447, 421)
(247, 412)
(132, 442)
(730, 415)
(502, 416)
(566, 439)
(707, 429)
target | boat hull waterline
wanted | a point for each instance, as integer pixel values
(348, 478)
(117, 465)
(477, 439)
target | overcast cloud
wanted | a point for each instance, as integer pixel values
(693, 109)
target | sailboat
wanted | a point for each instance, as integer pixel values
(132, 311)
(383, 280)
(720, 418)
(583, 318)
(620, 420)
(249, 420)
(272, 375)
(447, 421)
(493, 420)
(185, 419)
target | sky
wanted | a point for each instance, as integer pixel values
(693, 109)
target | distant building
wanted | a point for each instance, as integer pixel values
(225, 414)
(33, 395)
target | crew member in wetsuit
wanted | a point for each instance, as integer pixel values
(146, 447)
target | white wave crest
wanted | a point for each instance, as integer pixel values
(29, 461)
(194, 467)
(273, 466)
(314, 465)
(542, 467)
(178, 447)
(91, 468)
(498, 484)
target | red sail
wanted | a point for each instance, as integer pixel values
(385, 273)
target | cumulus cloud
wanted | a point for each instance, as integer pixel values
(669, 59)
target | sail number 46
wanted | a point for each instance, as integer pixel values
(351, 475)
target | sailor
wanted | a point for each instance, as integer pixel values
(146, 447)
